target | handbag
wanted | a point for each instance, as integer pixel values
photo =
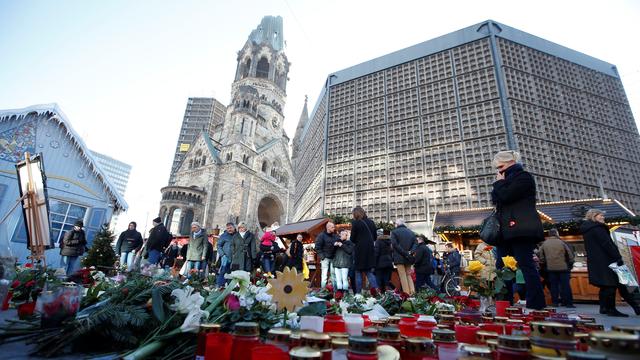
(624, 275)
(490, 229)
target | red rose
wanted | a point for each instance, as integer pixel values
(232, 302)
(28, 265)
(30, 283)
(15, 284)
(125, 291)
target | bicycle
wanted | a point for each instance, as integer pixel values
(453, 286)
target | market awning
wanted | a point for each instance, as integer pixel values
(551, 212)
(306, 226)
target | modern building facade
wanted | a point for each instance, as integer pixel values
(242, 172)
(78, 188)
(201, 115)
(414, 132)
(118, 173)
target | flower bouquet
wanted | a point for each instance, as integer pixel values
(506, 274)
(59, 304)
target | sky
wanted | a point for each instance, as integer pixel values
(122, 71)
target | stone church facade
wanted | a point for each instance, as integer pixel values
(244, 172)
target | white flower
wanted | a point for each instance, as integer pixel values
(441, 305)
(98, 276)
(192, 321)
(344, 306)
(370, 302)
(293, 321)
(186, 302)
(264, 297)
(358, 298)
(242, 277)
(246, 301)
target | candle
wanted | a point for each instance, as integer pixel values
(354, 324)
(466, 333)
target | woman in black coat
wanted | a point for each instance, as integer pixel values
(514, 195)
(384, 260)
(601, 251)
(363, 233)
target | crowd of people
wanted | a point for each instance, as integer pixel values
(347, 257)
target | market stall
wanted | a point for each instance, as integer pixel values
(461, 227)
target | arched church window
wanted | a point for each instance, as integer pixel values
(204, 160)
(264, 166)
(262, 70)
(221, 197)
(190, 163)
(245, 69)
(229, 156)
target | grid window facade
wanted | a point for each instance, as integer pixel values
(375, 202)
(404, 135)
(419, 136)
(407, 202)
(371, 173)
(406, 168)
(339, 178)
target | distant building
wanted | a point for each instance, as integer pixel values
(118, 172)
(413, 132)
(78, 188)
(201, 115)
(241, 172)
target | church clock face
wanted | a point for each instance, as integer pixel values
(275, 122)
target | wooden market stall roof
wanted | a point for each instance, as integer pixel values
(550, 212)
(307, 226)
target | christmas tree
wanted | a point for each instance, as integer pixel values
(101, 253)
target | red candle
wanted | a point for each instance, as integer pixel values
(407, 326)
(501, 307)
(268, 352)
(499, 328)
(466, 333)
(218, 346)
(334, 323)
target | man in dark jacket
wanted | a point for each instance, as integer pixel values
(224, 252)
(403, 241)
(326, 250)
(423, 264)
(129, 243)
(72, 247)
(601, 252)
(159, 239)
(384, 260)
(514, 195)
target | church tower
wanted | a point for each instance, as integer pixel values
(255, 178)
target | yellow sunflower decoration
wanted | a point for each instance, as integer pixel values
(288, 289)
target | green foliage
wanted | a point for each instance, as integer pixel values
(101, 254)
(337, 218)
(386, 226)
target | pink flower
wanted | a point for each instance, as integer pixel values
(232, 302)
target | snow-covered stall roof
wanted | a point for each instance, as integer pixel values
(54, 113)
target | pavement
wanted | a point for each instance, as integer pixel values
(20, 350)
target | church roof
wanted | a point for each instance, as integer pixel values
(54, 113)
(269, 32)
(215, 152)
